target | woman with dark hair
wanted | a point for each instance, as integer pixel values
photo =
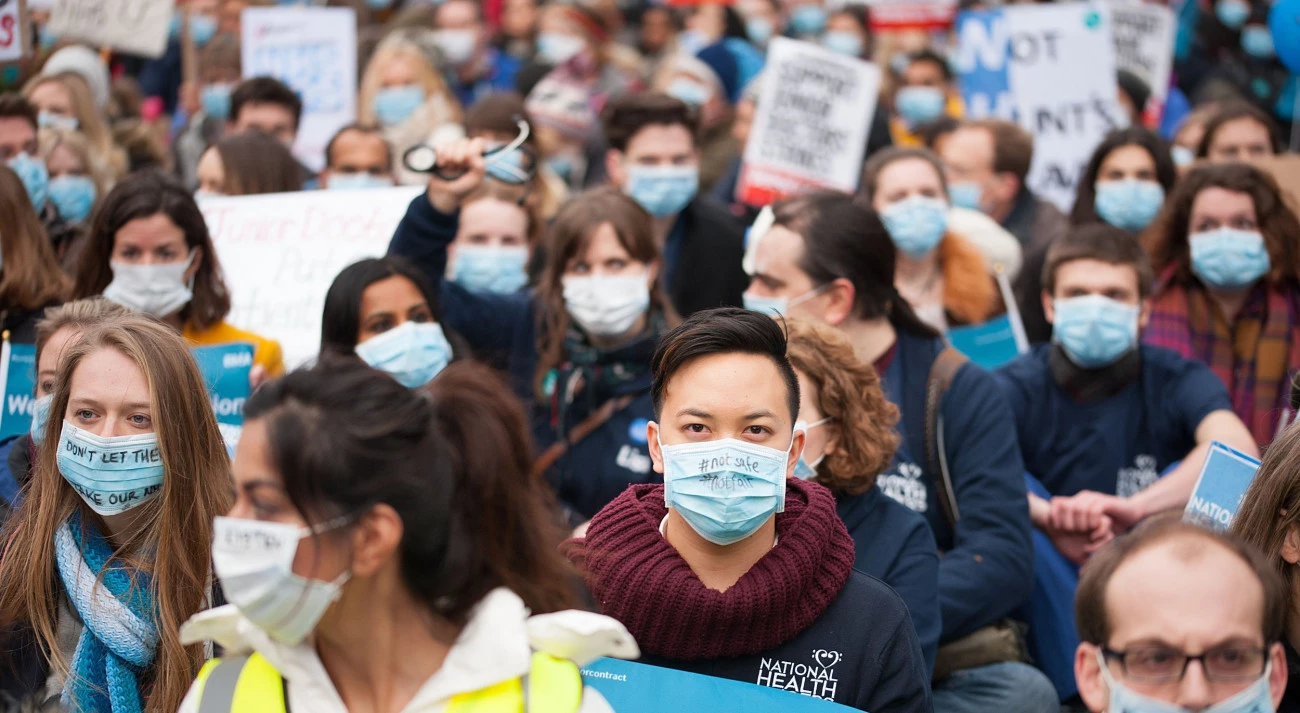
(1226, 251)
(1239, 131)
(383, 310)
(356, 536)
(246, 164)
(148, 249)
(828, 259)
(578, 345)
(31, 279)
(1126, 180)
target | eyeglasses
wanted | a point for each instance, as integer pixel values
(1160, 664)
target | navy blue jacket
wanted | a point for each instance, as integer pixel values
(502, 329)
(988, 565)
(894, 544)
(1119, 444)
(861, 652)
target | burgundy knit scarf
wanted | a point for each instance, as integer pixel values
(639, 579)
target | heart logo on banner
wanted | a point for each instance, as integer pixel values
(826, 659)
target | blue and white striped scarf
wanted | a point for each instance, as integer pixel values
(119, 639)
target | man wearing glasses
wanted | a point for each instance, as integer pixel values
(1177, 618)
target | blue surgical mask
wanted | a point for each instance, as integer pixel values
(40, 417)
(1182, 156)
(919, 105)
(356, 181)
(47, 38)
(1228, 258)
(663, 190)
(808, 20)
(845, 43)
(691, 92)
(802, 468)
(1232, 13)
(1129, 204)
(393, 105)
(379, 4)
(966, 194)
(1255, 698)
(508, 167)
(726, 489)
(759, 30)
(482, 268)
(777, 306)
(202, 28)
(412, 353)
(561, 165)
(35, 178)
(215, 99)
(916, 224)
(73, 196)
(112, 474)
(1094, 330)
(1257, 41)
(50, 120)
(558, 48)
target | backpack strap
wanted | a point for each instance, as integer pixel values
(942, 373)
(556, 451)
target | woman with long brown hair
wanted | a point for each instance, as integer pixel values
(1226, 252)
(578, 345)
(110, 547)
(30, 278)
(248, 164)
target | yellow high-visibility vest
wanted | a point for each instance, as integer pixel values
(250, 684)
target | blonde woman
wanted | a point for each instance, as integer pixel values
(65, 102)
(403, 92)
(110, 550)
(76, 182)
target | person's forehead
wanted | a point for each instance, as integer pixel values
(1189, 591)
(359, 143)
(726, 384)
(660, 138)
(16, 128)
(779, 251)
(1096, 274)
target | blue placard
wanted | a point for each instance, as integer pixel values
(990, 344)
(983, 51)
(1223, 482)
(632, 687)
(225, 369)
(18, 373)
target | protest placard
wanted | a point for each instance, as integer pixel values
(225, 369)
(1144, 45)
(990, 344)
(1052, 68)
(314, 51)
(138, 27)
(18, 374)
(786, 686)
(282, 251)
(810, 128)
(895, 15)
(1223, 482)
(13, 35)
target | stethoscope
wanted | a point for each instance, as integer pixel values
(424, 158)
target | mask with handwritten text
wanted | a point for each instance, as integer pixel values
(112, 474)
(726, 489)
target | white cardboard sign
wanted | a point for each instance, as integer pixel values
(137, 27)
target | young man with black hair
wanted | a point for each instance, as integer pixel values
(654, 157)
(268, 105)
(734, 568)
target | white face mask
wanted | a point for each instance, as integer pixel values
(254, 561)
(606, 306)
(456, 45)
(159, 290)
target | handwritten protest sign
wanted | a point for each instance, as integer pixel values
(1143, 34)
(13, 39)
(136, 27)
(1052, 68)
(314, 51)
(810, 129)
(894, 15)
(789, 687)
(282, 251)
(1223, 481)
(18, 374)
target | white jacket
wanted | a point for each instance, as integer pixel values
(496, 645)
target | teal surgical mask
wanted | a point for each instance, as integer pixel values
(73, 196)
(357, 181)
(777, 306)
(663, 190)
(725, 489)
(215, 99)
(916, 224)
(413, 353)
(803, 469)
(35, 177)
(919, 105)
(1095, 330)
(40, 417)
(112, 474)
(482, 268)
(1182, 156)
(808, 20)
(759, 30)
(691, 92)
(845, 43)
(50, 120)
(393, 105)
(1255, 698)
(966, 194)
(1229, 258)
(1129, 204)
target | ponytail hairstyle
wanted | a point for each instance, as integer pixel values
(505, 514)
(843, 239)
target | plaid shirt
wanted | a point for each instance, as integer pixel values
(1255, 357)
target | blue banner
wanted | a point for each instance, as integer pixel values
(632, 687)
(225, 369)
(990, 344)
(983, 51)
(18, 374)
(1226, 475)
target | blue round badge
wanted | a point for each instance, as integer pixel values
(636, 431)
